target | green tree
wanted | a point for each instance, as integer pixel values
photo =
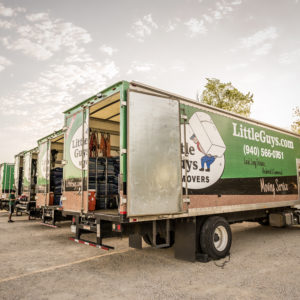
(226, 96)
(296, 124)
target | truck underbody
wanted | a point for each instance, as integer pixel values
(194, 238)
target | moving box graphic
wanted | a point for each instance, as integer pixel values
(206, 132)
(206, 163)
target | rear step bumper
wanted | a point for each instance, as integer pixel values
(48, 225)
(104, 247)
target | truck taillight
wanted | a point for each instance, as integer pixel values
(116, 227)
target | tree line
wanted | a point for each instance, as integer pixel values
(227, 97)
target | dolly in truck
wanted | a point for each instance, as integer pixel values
(156, 166)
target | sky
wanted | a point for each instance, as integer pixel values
(54, 54)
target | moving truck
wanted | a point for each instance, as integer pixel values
(6, 183)
(26, 202)
(49, 177)
(163, 168)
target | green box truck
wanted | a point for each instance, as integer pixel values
(164, 168)
(6, 183)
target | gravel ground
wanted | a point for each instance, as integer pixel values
(39, 262)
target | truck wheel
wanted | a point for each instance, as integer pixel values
(215, 237)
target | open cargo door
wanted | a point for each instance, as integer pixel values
(298, 176)
(1, 179)
(75, 170)
(154, 158)
(43, 178)
(27, 174)
(17, 175)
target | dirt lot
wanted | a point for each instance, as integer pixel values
(39, 262)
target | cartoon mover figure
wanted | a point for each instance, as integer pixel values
(207, 138)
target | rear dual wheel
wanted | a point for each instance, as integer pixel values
(215, 237)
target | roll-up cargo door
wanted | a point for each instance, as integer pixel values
(154, 159)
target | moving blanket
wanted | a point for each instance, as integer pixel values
(56, 177)
(103, 177)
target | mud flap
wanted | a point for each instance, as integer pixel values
(185, 239)
(135, 241)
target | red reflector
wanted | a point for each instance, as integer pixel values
(134, 220)
(73, 219)
(118, 227)
(123, 212)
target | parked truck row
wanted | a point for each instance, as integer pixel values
(138, 161)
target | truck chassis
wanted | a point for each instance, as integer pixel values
(194, 238)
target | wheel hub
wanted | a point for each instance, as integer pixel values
(220, 238)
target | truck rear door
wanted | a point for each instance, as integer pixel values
(75, 173)
(27, 174)
(154, 184)
(43, 177)
(298, 176)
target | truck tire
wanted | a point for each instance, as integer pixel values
(215, 237)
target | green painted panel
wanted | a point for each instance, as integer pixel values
(76, 149)
(241, 149)
(43, 178)
(6, 177)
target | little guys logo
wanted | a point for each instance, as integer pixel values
(79, 148)
(205, 148)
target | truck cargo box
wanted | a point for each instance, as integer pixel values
(179, 157)
(166, 168)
